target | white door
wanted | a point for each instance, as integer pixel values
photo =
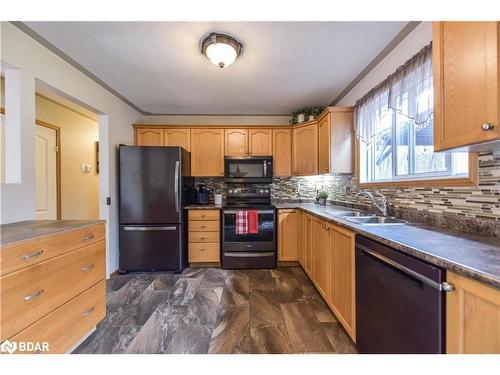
(46, 173)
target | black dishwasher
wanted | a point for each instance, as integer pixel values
(399, 302)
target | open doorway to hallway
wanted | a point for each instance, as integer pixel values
(67, 173)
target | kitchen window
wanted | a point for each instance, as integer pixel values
(394, 127)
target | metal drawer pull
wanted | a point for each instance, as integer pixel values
(31, 297)
(88, 237)
(148, 229)
(87, 267)
(89, 311)
(390, 262)
(32, 255)
(447, 287)
(487, 126)
(249, 255)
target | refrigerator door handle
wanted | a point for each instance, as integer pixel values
(176, 185)
(148, 229)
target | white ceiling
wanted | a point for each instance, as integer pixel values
(284, 65)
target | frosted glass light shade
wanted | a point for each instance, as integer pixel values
(222, 50)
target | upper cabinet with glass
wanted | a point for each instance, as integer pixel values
(466, 85)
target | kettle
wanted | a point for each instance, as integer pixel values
(202, 194)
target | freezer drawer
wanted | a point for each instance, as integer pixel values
(152, 248)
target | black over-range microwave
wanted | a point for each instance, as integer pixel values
(245, 169)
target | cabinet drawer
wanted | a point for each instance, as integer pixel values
(204, 226)
(63, 327)
(17, 256)
(32, 293)
(204, 236)
(204, 214)
(204, 252)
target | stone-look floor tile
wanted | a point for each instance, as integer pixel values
(193, 273)
(109, 340)
(287, 288)
(165, 281)
(205, 304)
(264, 308)
(321, 310)
(184, 290)
(214, 278)
(339, 338)
(231, 324)
(305, 333)
(236, 290)
(265, 339)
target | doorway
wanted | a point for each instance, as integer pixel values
(47, 161)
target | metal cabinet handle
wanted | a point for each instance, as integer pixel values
(87, 238)
(31, 297)
(87, 267)
(89, 311)
(487, 126)
(447, 287)
(31, 255)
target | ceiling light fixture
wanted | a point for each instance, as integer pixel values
(221, 49)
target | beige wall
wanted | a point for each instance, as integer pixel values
(79, 190)
(215, 120)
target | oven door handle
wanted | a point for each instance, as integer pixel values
(260, 212)
(249, 255)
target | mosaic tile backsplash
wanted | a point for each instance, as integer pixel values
(474, 209)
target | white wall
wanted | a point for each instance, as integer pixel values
(414, 42)
(36, 62)
(215, 120)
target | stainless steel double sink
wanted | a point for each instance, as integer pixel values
(365, 218)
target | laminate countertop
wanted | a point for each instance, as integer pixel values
(30, 229)
(471, 255)
(204, 207)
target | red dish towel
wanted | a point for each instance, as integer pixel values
(241, 222)
(253, 221)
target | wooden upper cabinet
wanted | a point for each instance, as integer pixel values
(282, 152)
(260, 142)
(305, 150)
(149, 137)
(288, 235)
(321, 232)
(472, 317)
(177, 137)
(236, 141)
(207, 152)
(342, 282)
(324, 145)
(466, 84)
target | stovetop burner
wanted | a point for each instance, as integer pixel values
(248, 196)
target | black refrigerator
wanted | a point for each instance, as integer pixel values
(154, 187)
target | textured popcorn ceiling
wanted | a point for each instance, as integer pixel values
(284, 65)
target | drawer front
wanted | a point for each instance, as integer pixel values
(204, 236)
(32, 293)
(204, 214)
(204, 226)
(204, 252)
(66, 325)
(16, 257)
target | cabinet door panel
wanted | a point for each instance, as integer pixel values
(300, 238)
(177, 137)
(207, 152)
(305, 150)
(324, 136)
(287, 228)
(321, 256)
(282, 152)
(308, 235)
(465, 63)
(149, 137)
(236, 142)
(260, 142)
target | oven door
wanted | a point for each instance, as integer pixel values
(263, 240)
(248, 169)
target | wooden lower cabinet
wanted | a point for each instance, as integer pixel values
(204, 236)
(321, 256)
(288, 235)
(341, 298)
(472, 317)
(308, 235)
(300, 237)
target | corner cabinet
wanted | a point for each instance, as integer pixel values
(207, 152)
(305, 150)
(466, 85)
(472, 317)
(288, 225)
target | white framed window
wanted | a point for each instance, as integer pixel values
(394, 126)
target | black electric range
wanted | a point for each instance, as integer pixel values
(250, 250)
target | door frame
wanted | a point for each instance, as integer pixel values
(58, 163)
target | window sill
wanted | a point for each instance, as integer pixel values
(447, 182)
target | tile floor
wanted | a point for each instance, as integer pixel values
(210, 310)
